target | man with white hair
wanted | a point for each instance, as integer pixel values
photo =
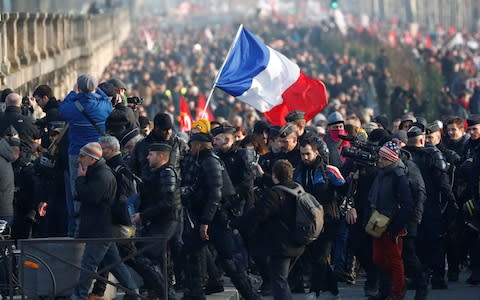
(27, 131)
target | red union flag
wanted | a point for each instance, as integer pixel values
(185, 116)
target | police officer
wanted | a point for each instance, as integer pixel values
(160, 202)
(288, 142)
(207, 220)
(473, 154)
(235, 161)
(431, 233)
(297, 117)
(161, 133)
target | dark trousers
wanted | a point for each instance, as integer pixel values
(221, 236)
(431, 241)
(323, 278)
(387, 255)
(361, 245)
(279, 268)
(413, 266)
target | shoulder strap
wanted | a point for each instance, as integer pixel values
(295, 192)
(80, 108)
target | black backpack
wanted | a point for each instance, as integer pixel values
(308, 215)
(120, 215)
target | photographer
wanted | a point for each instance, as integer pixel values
(122, 117)
(43, 95)
(361, 167)
(24, 125)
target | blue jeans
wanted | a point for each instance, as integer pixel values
(73, 169)
(340, 250)
(93, 255)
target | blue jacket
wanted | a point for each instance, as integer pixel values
(97, 105)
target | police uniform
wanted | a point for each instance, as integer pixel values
(206, 178)
(431, 232)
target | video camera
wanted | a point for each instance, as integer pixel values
(134, 100)
(361, 152)
(26, 108)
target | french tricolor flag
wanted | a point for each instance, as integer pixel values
(256, 74)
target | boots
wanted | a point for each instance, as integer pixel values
(240, 280)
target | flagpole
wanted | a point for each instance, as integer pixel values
(237, 36)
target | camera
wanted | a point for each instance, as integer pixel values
(26, 108)
(46, 161)
(361, 152)
(135, 100)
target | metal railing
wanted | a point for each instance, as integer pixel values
(27, 246)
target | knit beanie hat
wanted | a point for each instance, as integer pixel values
(94, 150)
(334, 118)
(389, 151)
(86, 83)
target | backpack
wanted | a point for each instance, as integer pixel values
(119, 209)
(308, 215)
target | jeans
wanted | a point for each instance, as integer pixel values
(340, 249)
(279, 268)
(73, 169)
(93, 255)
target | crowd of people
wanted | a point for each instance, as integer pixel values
(400, 198)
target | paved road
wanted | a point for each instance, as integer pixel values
(456, 291)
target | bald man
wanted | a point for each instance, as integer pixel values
(24, 125)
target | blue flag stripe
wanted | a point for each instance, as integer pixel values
(248, 58)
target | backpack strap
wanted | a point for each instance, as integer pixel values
(298, 190)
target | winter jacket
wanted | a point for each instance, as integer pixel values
(7, 184)
(205, 178)
(240, 173)
(390, 195)
(160, 196)
(81, 132)
(23, 124)
(322, 182)
(96, 191)
(274, 214)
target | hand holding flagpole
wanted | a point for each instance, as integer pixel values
(240, 28)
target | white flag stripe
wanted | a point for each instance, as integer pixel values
(269, 85)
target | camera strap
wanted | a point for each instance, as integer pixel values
(80, 108)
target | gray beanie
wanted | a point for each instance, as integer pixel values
(334, 118)
(86, 83)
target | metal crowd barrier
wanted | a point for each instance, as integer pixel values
(28, 245)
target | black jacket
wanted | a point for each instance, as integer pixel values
(274, 213)
(52, 116)
(96, 191)
(24, 126)
(160, 196)
(139, 163)
(25, 194)
(434, 173)
(121, 118)
(390, 195)
(206, 181)
(240, 173)
(7, 185)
